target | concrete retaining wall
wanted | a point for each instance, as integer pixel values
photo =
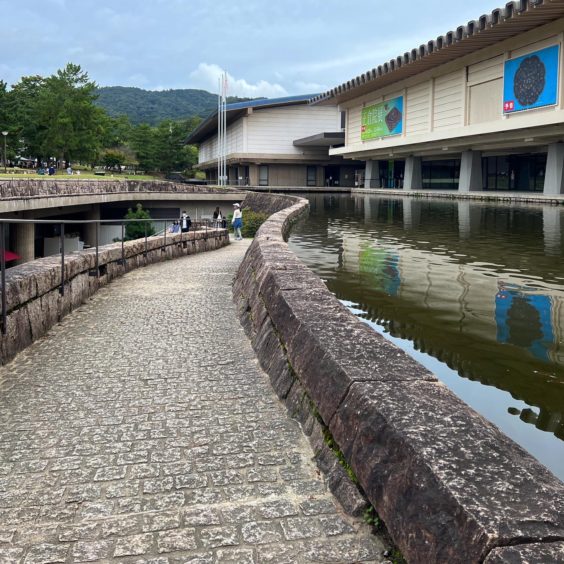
(448, 484)
(35, 304)
(42, 187)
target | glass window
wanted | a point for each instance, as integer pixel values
(311, 179)
(263, 175)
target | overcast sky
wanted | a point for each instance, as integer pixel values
(268, 47)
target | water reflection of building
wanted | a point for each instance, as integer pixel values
(467, 295)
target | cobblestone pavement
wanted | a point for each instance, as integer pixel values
(141, 429)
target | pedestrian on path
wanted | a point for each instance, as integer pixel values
(237, 222)
(185, 222)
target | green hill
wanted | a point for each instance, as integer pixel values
(147, 106)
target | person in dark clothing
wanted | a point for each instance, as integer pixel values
(185, 222)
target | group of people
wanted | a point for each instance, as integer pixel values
(184, 223)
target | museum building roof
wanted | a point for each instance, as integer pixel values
(513, 19)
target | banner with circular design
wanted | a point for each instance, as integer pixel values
(531, 81)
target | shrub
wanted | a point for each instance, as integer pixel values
(252, 221)
(136, 230)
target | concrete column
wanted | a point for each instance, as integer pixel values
(554, 175)
(411, 213)
(25, 242)
(470, 179)
(552, 229)
(90, 228)
(469, 216)
(412, 179)
(253, 175)
(372, 174)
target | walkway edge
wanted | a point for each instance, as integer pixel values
(35, 304)
(448, 484)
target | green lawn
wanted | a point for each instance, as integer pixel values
(81, 176)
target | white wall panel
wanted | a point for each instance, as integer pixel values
(417, 108)
(273, 130)
(448, 103)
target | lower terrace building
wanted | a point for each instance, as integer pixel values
(278, 142)
(480, 108)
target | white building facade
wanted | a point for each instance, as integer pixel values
(480, 108)
(277, 142)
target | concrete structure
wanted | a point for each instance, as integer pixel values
(31, 198)
(449, 485)
(459, 115)
(277, 142)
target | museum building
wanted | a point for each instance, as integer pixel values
(479, 108)
(277, 142)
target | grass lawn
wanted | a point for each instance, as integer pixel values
(81, 176)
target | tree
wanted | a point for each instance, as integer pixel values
(70, 126)
(142, 142)
(22, 106)
(113, 159)
(136, 230)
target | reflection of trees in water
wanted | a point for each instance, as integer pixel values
(523, 322)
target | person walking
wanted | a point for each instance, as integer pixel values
(185, 222)
(237, 222)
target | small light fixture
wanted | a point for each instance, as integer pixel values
(529, 139)
(445, 148)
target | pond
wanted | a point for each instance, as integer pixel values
(473, 291)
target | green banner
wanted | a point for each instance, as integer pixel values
(383, 119)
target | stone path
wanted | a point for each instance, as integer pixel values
(141, 429)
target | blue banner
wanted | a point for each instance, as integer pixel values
(531, 81)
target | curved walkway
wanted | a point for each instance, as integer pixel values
(141, 429)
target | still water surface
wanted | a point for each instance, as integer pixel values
(473, 291)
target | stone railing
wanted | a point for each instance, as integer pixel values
(73, 186)
(34, 301)
(448, 484)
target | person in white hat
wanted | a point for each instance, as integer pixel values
(237, 222)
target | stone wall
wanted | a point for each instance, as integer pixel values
(42, 187)
(34, 301)
(448, 484)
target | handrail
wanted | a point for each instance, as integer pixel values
(195, 225)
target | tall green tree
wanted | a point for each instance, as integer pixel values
(70, 126)
(22, 104)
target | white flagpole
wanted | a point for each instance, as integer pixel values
(218, 131)
(224, 138)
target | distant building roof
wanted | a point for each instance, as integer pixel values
(502, 23)
(209, 126)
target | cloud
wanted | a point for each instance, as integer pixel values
(309, 87)
(206, 77)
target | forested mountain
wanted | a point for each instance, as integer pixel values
(152, 107)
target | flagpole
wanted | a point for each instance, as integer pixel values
(218, 131)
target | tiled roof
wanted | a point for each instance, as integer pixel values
(502, 23)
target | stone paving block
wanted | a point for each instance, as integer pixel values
(297, 528)
(213, 537)
(261, 532)
(134, 545)
(160, 521)
(46, 554)
(11, 555)
(91, 551)
(179, 539)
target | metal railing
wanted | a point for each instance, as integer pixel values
(196, 225)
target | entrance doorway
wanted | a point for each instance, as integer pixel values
(332, 175)
(391, 173)
(514, 172)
